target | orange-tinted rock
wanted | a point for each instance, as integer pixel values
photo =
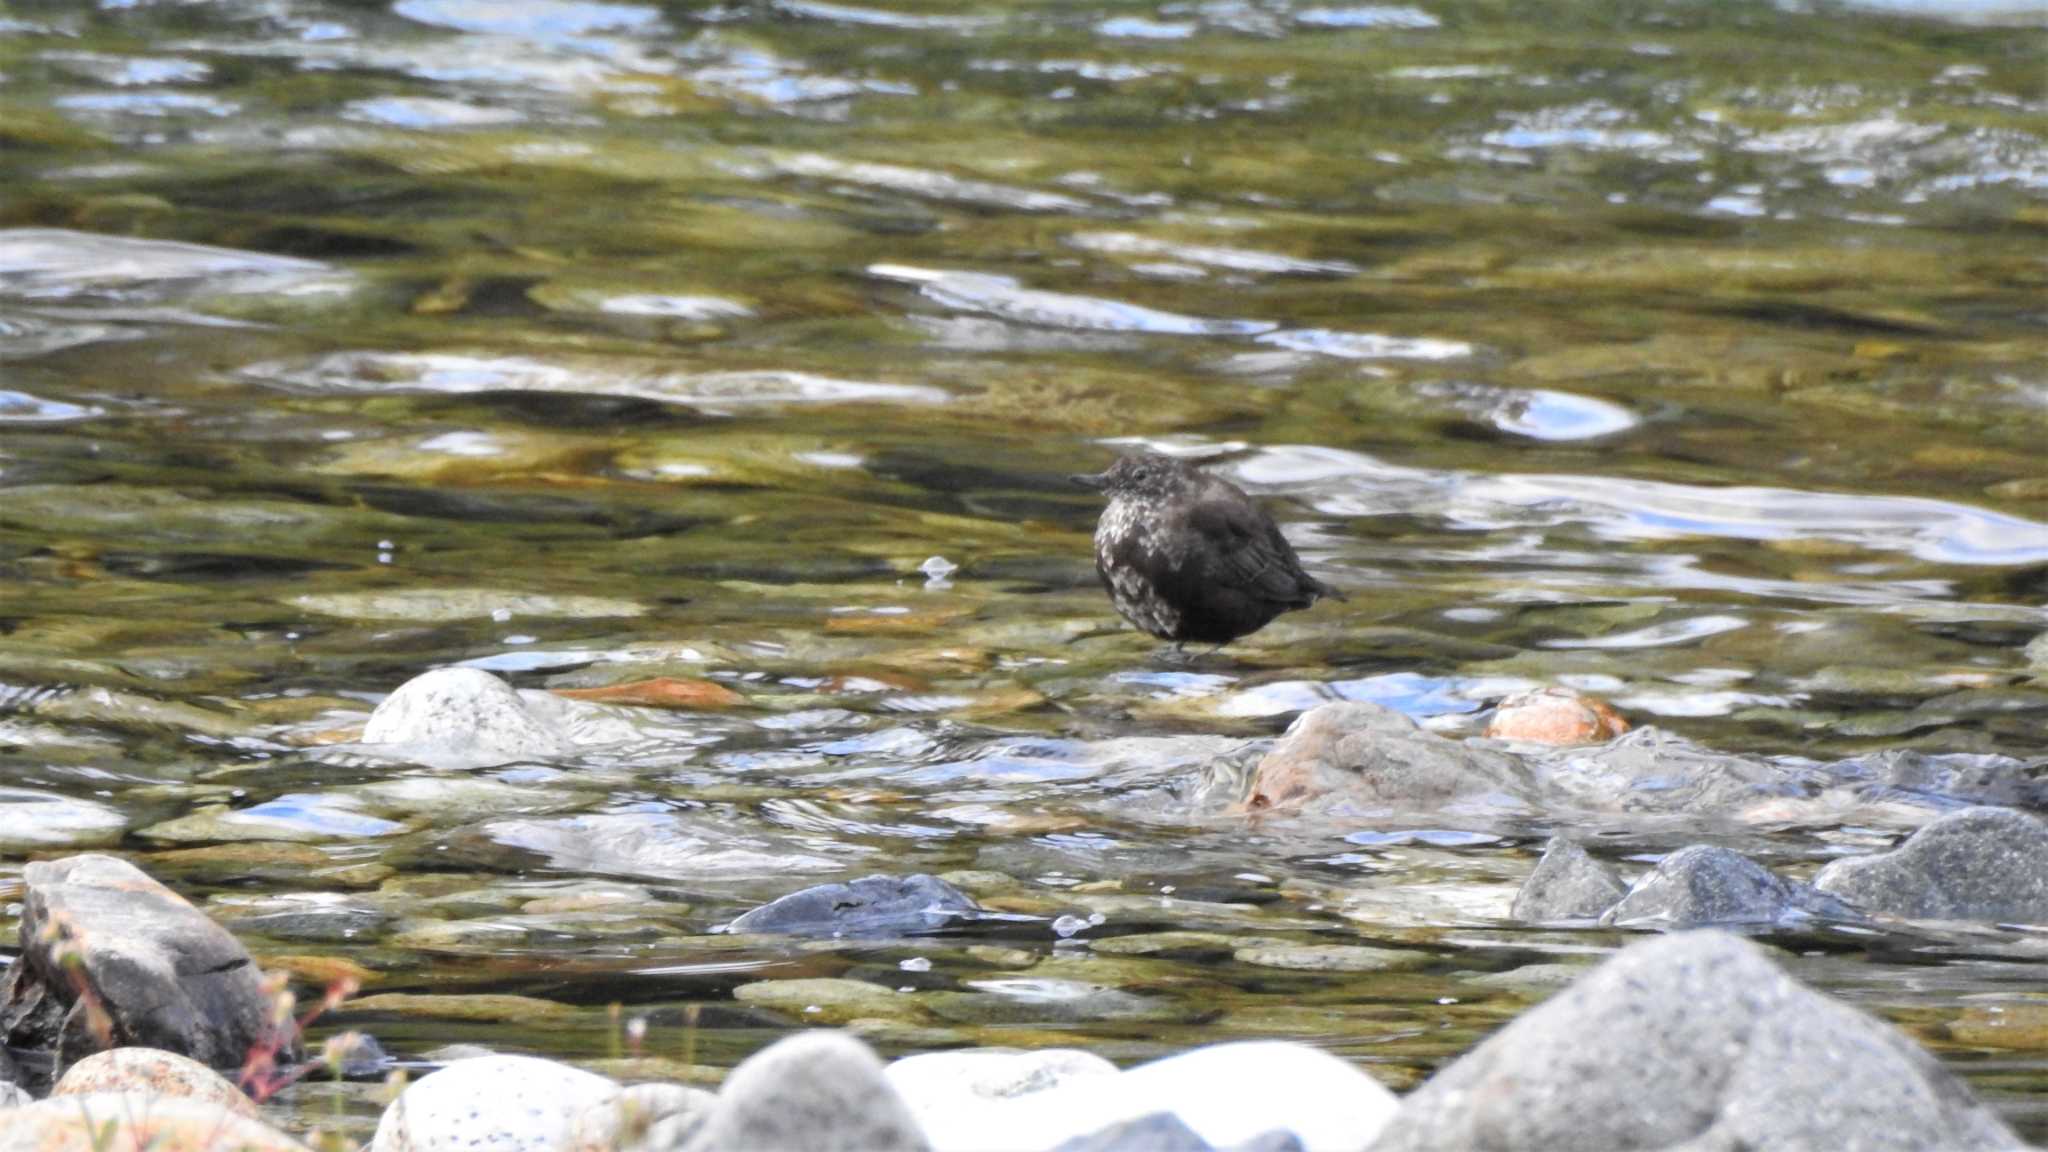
(1369, 755)
(662, 692)
(1555, 716)
(155, 1073)
(100, 1122)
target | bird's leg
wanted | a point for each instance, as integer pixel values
(1177, 654)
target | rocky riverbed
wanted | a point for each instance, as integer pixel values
(124, 992)
(688, 389)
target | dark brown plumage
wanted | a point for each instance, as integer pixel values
(1188, 556)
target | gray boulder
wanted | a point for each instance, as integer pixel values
(110, 958)
(1568, 884)
(819, 1091)
(1976, 864)
(869, 906)
(1707, 885)
(1698, 1041)
(1371, 757)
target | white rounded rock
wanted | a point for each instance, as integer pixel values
(493, 1104)
(1227, 1093)
(932, 1083)
(155, 1073)
(462, 716)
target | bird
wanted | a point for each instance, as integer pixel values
(1187, 556)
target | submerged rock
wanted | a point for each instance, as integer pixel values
(462, 717)
(1555, 716)
(830, 999)
(154, 1073)
(1227, 1094)
(869, 906)
(1695, 1040)
(111, 958)
(493, 1104)
(117, 1121)
(1568, 884)
(1651, 770)
(1706, 884)
(1976, 864)
(1371, 756)
(819, 1091)
(660, 845)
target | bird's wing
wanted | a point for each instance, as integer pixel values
(1250, 553)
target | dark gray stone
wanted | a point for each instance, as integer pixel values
(1568, 884)
(1707, 885)
(869, 906)
(1159, 1132)
(1976, 864)
(819, 1091)
(1694, 1040)
(97, 933)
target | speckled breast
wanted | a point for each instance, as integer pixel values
(1124, 556)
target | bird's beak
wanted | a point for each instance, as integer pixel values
(1097, 481)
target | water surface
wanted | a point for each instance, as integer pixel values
(1690, 354)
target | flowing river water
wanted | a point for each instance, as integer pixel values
(1690, 354)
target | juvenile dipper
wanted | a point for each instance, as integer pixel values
(1188, 556)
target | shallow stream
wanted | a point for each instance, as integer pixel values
(1694, 355)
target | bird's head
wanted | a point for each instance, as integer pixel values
(1142, 474)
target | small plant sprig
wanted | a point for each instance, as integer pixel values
(261, 1076)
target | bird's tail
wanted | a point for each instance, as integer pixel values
(1326, 592)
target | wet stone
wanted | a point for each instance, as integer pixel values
(162, 974)
(1703, 1042)
(31, 819)
(1555, 716)
(461, 717)
(473, 1006)
(1166, 943)
(1976, 864)
(322, 916)
(1042, 1000)
(1370, 757)
(1333, 958)
(1568, 884)
(869, 906)
(1532, 979)
(1707, 885)
(830, 1000)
